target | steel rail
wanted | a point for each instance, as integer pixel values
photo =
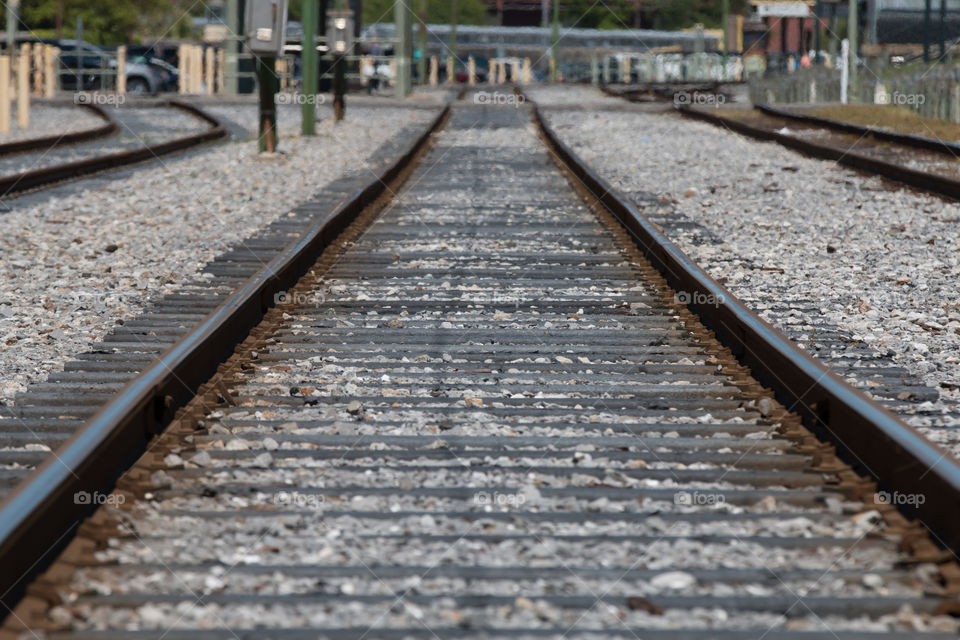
(867, 436)
(951, 149)
(933, 183)
(28, 180)
(41, 515)
(64, 139)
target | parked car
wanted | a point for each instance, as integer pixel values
(150, 75)
(82, 65)
(83, 69)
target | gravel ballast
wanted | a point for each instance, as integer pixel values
(77, 260)
(854, 254)
(136, 127)
(407, 450)
(51, 120)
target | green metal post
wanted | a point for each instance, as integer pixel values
(453, 28)
(339, 89)
(555, 46)
(404, 49)
(725, 23)
(269, 84)
(13, 19)
(234, 29)
(926, 30)
(943, 31)
(817, 29)
(310, 67)
(422, 34)
(853, 30)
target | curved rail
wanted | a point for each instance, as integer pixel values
(40, 516)
(866, 435)
(28, 180)
(65, 139)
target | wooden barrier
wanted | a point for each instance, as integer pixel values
(182, 69)
(221, 70)
(50, 55)
(4, 94)
(451, 77)
(121, 69)
(527, 74)
(197, 69)
(282, 73)
(37, 66)
(434, 71)
(23, 87)
(471, 71)
(210, 71)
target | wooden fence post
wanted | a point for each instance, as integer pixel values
(23, 87)
(182, 69)
(50, 54)
(4, 94)
(121, 69)
(210, 70)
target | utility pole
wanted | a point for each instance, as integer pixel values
(555, 46)
(725, 21)
(309, 67)
(453, 28)
(853, 29)
(404, 46)
(231, 85)
(926, 30)
(422, 62)
(816, 31)
(269, 85)
(943, 31)
(59, 19)
(13, 19)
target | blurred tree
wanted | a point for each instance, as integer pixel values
(652, 14)
(112, 22)
(438, 11)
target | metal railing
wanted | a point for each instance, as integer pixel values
(932, 92)
(672, 67)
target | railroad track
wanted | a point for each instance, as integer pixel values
(484, 412)
(47, 143)
(872, 367)
(662, 91)
(85, 159)
(916, 161)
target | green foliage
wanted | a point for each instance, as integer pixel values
(110, 22)
(438, 11)
(658, 14)
(589, 14)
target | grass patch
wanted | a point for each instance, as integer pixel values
(892, 118)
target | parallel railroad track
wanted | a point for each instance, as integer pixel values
(921, 163)
(46, 176)
(484, 412)
(661, 91)
(894, 386)
(918, 161)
